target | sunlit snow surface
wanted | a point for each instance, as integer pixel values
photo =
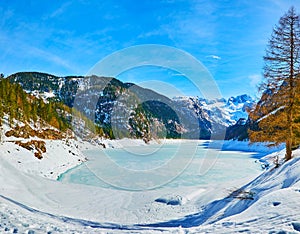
(267, 201)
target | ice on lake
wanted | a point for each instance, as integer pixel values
(164, 165)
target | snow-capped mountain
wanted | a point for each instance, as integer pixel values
(220, 111)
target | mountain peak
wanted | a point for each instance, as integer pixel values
(240, 99)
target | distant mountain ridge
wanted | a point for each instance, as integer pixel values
(127, 110)
(222, 111)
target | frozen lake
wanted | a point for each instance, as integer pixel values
(162, 165)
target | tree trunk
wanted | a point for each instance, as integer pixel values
(288, 154)
(289, 140)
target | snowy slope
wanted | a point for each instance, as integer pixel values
(33, 204)
(272, 205)
(60, 156)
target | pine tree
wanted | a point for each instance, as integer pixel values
(276, 112)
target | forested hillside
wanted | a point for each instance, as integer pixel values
(17, 105)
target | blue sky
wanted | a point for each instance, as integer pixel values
(70, 37)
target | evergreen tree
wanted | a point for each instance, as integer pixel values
(276, 112)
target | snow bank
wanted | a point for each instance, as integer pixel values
(60, 156)
(271, 208)
(170, 200)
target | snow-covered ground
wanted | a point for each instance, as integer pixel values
(60, 156)
(31, 203)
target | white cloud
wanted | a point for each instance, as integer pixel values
(178, 74)
(214, 57)
(255, 80)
